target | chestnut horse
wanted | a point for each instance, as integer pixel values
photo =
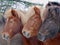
(14, 25)
(35, 22)
(12, 22)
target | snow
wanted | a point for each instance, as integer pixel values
(20, 6)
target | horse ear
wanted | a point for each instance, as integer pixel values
(14, 13)
(37, 10)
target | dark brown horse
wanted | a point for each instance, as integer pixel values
(14, 25)
(49, 31)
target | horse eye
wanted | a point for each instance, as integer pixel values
(11, 21)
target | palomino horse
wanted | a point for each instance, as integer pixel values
(14, 25)
(49, 31)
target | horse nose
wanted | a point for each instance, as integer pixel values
(5, 36)
(26, 34)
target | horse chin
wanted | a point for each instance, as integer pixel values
(26, 34)
(5, 36)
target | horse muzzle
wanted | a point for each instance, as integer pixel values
(26, 34)
(5, 36)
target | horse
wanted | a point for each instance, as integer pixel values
(35, 22)
(9, 31)
(49, 31)
(15, 25)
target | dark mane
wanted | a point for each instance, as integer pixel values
(53, 4)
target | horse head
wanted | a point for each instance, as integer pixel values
(31, 28)
(12, 26)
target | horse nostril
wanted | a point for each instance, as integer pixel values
(26, 34)
(5, 36)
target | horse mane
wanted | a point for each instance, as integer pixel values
(44, 10)
(31, 12)
(53, 4)
(7, 13)
(25, 15)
